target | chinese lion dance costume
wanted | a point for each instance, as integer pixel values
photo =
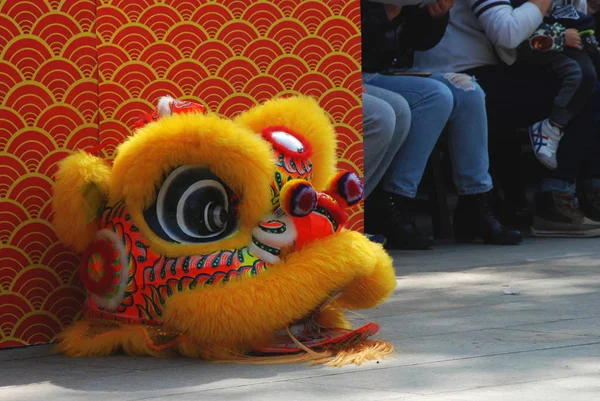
(221, 239)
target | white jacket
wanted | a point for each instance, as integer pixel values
(478, 28)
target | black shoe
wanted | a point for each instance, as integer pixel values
(375, 212)
(558, 214)
(474, 218)
(589, 202)
(513, 214)
(399, 227)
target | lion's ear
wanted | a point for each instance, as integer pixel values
(80, 193)
(298, 115)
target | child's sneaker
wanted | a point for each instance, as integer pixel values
(545, 138)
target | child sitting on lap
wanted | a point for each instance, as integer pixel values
(565, 42)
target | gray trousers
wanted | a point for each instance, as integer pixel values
(386, 121)
(576, 73)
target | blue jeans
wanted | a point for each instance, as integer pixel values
(444, 100)
(386, 121)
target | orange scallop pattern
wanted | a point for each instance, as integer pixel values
(76, 72)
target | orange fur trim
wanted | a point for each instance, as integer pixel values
(304, 116)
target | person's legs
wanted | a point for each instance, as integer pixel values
(509, 108)
(386, 121)
(468, 145)
(431, 104)
(558, 211)
(579, 82)
(577, 77)
(467, 134)
(379, 123)
(518, 96)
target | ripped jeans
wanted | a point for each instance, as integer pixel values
(452, 101)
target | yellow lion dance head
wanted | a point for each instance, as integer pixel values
(221, 239)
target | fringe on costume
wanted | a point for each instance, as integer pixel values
(89, 338)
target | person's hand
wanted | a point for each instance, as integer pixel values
(440, 8)
(543, 5)
(572, 39)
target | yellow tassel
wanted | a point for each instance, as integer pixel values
(336, 356)
(357, 354)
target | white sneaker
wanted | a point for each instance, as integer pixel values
(545, 138)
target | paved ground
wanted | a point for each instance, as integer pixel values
(458, 338)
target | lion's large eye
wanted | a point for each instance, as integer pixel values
(193, 206)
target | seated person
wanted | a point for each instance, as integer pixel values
(557, 44)
(517, 96)
(386, 121)
(390, 34)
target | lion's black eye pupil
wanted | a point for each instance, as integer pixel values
(192, 206)
(214, 217)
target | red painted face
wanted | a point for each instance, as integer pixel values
(128, 281)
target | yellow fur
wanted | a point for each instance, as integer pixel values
(73, 341)
(74, 220)
(243, 161)
(371, 289)
(333, 316)
(244, 313)
(224, 321)
(304, 116)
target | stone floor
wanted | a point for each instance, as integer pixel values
(458, 337)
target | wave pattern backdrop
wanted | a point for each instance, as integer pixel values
(76, 73)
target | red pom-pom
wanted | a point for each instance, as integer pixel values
(346, 188)
(298, 198)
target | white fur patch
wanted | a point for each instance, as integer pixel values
(164, 106)
(266, 234)
(278, 240)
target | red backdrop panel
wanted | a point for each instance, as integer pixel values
(78, 71)
(48, 107)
